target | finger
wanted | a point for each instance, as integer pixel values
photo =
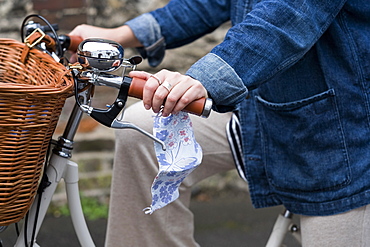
(161, 96)
(73, 57)
(172, 96)
(192, 94)
(182, 95)
(139, 74)
(150, 98)
(144, 76)
(157, 78)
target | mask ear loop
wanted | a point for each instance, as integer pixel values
(159, 114)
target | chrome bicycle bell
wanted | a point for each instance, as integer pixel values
(100, 55)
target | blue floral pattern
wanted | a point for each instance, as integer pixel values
(183, 154)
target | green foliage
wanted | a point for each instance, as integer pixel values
(92, 208)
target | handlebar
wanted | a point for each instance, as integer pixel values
(201, 107)
(133, 87)
(70, 42)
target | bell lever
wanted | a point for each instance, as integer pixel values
(131, 63)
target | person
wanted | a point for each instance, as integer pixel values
(296, 73)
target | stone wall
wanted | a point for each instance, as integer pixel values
(69, 13)
(95, 143)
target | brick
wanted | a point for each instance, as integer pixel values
(65, 22)
(71, 21)
(58, 4)
(49, 16)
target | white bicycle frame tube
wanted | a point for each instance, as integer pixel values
(74, 203)
(59, 167)
(279, 231)
(282, 226)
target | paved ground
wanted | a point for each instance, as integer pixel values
(226, 221)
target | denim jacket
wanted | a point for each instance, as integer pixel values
(298, 73)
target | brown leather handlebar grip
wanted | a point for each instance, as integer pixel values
(74, 42)
(198, 107)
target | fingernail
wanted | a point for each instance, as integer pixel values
(147, 107)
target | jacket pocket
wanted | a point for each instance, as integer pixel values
(303, 142)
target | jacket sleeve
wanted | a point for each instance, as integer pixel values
(178, 23)
(271, 38)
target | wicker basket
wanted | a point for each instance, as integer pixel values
(32, 94)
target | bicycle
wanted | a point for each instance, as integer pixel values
(93, 69)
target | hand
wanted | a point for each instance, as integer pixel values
(122, 34)
(169, 90)
(87, 31)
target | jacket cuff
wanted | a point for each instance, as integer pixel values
(148, 32)
(212, 71)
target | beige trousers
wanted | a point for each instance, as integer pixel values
(342, 230)
(135, 167)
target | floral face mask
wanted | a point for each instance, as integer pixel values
(182, 155)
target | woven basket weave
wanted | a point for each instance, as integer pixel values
(32, 95)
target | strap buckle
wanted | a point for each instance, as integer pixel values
(34, 38)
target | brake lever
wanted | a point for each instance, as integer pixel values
(118, 124)
(109, 116)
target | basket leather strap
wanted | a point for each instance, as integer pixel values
(33, 39)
